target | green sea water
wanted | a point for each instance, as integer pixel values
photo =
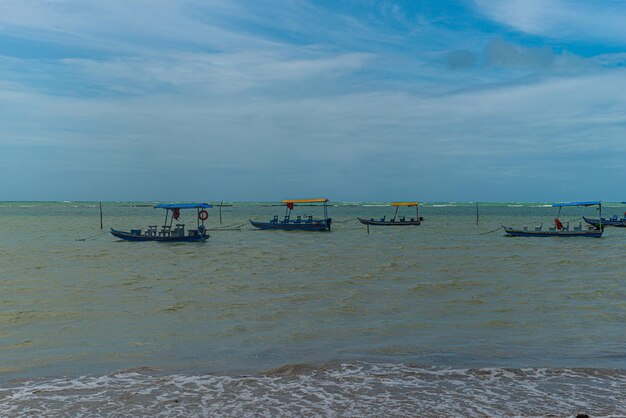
(447, 293)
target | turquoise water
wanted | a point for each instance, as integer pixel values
(446, 295)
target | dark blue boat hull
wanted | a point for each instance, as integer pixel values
(620, 223)
(525, 233)
(127, 236)
(316, 225)
(374, 222)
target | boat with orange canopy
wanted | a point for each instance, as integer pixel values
(395, 221)
(299, 224)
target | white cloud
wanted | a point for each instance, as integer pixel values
(217, 73)
(374, 137)
(559, 19)
(209, 88)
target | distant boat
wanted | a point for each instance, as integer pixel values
(560, 230)
(307, 224)
(395, 221)
(165, 233)
(612, 221)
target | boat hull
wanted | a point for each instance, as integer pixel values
(374, 222)
(525, 233)
(127, 236)
(317, 225)
(606, 222)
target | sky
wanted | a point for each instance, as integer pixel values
(354, 100)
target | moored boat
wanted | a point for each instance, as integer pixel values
(395, 221)
(577, 231)
(559, 229)
(616, 221)
(169, 232)
(307, 224)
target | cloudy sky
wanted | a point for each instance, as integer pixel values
(435, 100)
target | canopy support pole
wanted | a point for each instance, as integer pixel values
(477, 213)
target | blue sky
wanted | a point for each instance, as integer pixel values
(459, 100)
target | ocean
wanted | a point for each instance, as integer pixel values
(448, 318)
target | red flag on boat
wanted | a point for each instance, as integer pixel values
(290, 205)
(176, 213)
(558, 223)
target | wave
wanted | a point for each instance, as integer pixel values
(355, 389)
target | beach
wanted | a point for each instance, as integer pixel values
(448, 318)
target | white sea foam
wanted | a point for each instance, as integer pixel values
(351, 390)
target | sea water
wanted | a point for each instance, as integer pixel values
(447, 318)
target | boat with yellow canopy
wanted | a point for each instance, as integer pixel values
(395, 221)
(299, 224)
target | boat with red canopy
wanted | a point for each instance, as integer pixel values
(170, 232)
(299, 224)
(395, 221)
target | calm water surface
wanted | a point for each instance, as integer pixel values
(251, 317)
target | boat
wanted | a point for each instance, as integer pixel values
(559, 229)
(169, 232)
(619, 222)
(395, 221)
(299, 224)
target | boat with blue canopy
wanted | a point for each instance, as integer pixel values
(170, 232)
(559, 229)
(615, 220)
(395, 221)
(308, 223)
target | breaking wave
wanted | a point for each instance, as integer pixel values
(350, 390)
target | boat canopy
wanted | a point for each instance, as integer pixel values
(292, 201)
(405, 203)
(183, 206)
(590, 203)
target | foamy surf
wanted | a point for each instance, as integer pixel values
(346, 390)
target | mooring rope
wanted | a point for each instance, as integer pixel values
(490, 232)
(345, 221)
(92, 237)
(572, 220)
(228, 227)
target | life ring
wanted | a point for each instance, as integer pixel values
(203, 215)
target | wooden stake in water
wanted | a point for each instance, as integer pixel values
(476, 213)
(221, 203)
(100, 215)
